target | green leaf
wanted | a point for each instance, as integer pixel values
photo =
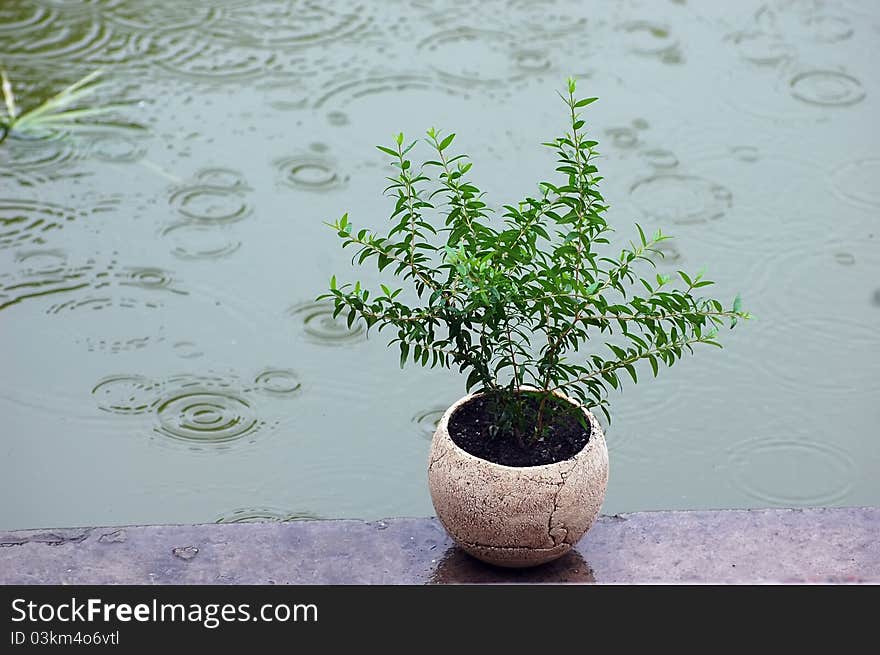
(445, 142)
(585, 102)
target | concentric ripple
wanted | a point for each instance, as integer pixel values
(827, 88)
(264, 515)
(114, 346)
(791, 473)
(287, 23)
(278, 382)
(16, 18)
(126, 394)
(145, 16)
(217, 196)
(45, 262)
(47, 154)
(481, 56)
(187, 350)
(340, 93)
(205, 411)
(148, 277)
(652, 39)
(30, 221)
(56, 40)
(193, 241)
(210, 205)
(186, 53)
(859, 182)
(427, 421)
(829, 28)
(309, 172)
(681, 199)
(761, 48)
(660, 158)
(96, 303)
(319, 326)
(623, 137)
(222, 178)
(545, 18)
(671, 254)
(116, 148)
(43, 273)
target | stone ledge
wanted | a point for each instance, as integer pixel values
(730, 546)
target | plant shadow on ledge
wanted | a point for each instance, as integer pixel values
(518, 468)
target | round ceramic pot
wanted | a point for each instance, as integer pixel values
(516, 516)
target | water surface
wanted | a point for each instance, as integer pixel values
(163, 357)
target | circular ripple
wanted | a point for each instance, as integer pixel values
(337, 118)
(829, 28)
(360, 87)
(187, 350)
(311, 173)
(116, 148)
(791, 472)
(480, 56)
(41, 262)
(815, 363)
(208, 204)
(278, 382)
(319, 326)
(859, 181)
(827, 88)
(20, 19)
(623, 137)
(222, 178)
(762, 48)
(126, 394)
(28, 153)
(749, 154)
(201, 414)
(545, 18)
(97, 303)
(57, 40)
(286, 23)
(142, 16)
(845, 258)
(648, 38)
(146, 278)
(651, 39)
(681, 199)
(427, 421)
(263, 515)
(183, 53)
(28, 221)
(671, 254)
(115, 346)
(190, 241)
(660, 158)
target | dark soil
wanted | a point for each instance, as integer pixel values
(564, 436)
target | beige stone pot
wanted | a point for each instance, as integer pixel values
(516, 516)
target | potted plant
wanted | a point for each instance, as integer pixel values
(518, 468)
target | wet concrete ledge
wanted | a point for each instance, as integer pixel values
(733, 546)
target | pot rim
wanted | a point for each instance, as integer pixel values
(595, 431)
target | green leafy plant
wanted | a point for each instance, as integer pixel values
(512, 299)
(62, 112)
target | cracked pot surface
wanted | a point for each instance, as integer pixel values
(516, 516)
